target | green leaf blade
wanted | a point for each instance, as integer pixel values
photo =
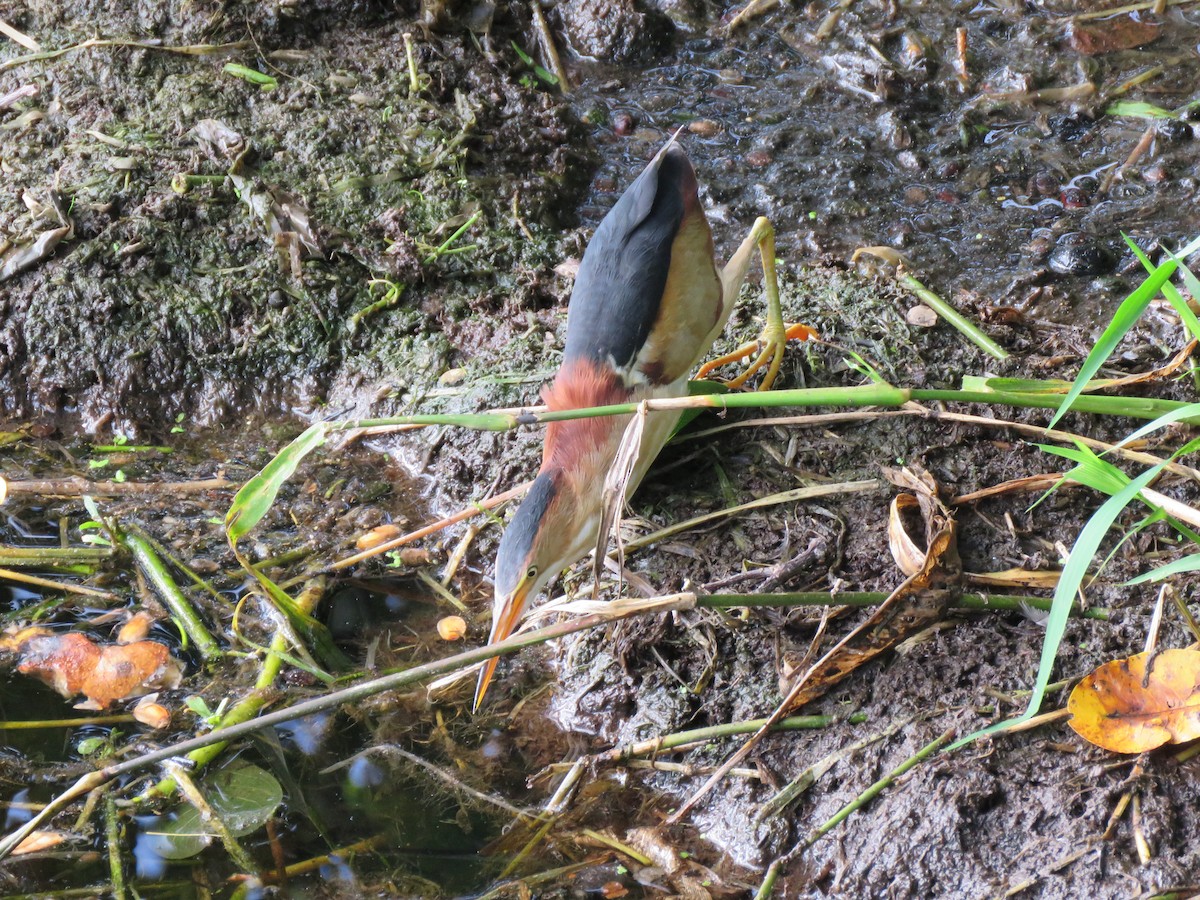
(257, 495)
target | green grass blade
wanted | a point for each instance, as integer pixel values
(1139, 110)
(1087, 545)
(1169, 290)
(1179, 414)
(1090, 470)
(961, 323)
(1021, 385)
(1192, 282)
(317, 636)
(1123, 319)
(258, 494)
(1190, 563)
(252, 76)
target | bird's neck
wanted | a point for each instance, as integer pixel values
(580, 384)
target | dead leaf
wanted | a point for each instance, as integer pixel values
(1041, 482)
(1046, 579)
(1118, 33)
(920, 601)
(18, 259)
(73, 664)
(908, 556)
(39, 841)
(1124, 708)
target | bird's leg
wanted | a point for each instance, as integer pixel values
(776, 333)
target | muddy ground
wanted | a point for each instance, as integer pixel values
(172, 304)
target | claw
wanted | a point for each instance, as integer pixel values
(769, 348)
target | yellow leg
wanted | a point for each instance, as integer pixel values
(775, 335)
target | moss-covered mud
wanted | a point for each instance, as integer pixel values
(182, 299)
(171, 299)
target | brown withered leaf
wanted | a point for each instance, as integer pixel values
(1045, 579)
(934, 578)
(73, 664)
(919, 601)
(1125, 708)
(39, 841)
(1118, 33)
(909, 557)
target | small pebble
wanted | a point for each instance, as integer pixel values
(623, 124)
(921, 316)
(1045, 184)
(451, 377)
(916, 195)
(416, 556)
(704, 127)
(758, 158)
(136, 629)
(1073, 198)
(1155, 174)
(1174, 131)
(1077, 254)
(1041, 244)
(151, 714)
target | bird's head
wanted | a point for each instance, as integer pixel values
(545, 536)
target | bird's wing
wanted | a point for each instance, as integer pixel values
(647, 293)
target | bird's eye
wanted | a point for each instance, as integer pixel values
(531, 573)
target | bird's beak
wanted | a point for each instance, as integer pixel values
(505, 615)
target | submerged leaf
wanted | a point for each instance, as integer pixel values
(244, 799)
(1136, 704)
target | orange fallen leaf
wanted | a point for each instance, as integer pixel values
(72, 664)
(1123, 709)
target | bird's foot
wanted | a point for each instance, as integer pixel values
(769, 347)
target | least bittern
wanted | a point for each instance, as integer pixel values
(648, 303)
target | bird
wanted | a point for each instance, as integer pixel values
(647, 304)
